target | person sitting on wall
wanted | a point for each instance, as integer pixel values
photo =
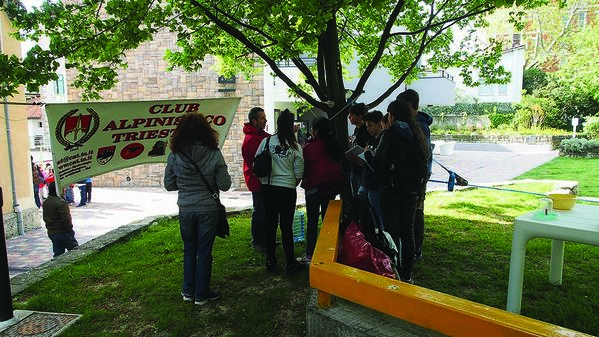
(59, 224)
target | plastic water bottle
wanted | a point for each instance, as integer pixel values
(298, 226)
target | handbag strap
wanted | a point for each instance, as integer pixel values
(266, 148)
(214, 195)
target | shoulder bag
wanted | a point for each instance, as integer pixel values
(263, 162)
(222, 229)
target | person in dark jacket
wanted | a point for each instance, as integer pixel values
(38, 178)
(424, 121)
(370, 187)
(254, 133)
(359, 137)
(198, 212)
(57, 217)
(322, 170)
(400, 169)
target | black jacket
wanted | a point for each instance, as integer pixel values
(399, 163)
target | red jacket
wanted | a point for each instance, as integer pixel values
(251, 142)
(318, 166)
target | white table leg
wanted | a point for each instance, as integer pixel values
(557, 262)
(514, 292)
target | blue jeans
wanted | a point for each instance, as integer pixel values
(374, 197)
(316, 205)
(258, 219)
(398, 215)
(36, 195)
(69, 196)
(279, 203)
(355, 181)
(63, 241)
(83, 194)
(198, 231)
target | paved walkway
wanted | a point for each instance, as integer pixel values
(114, 207)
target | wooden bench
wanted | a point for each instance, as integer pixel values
(431, 309)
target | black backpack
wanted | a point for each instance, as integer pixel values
(263, 162)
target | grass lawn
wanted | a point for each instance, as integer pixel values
(132, 289)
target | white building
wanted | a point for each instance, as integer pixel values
(434, 89)
(513, 61)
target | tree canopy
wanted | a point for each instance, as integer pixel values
(546, 31)
(94, 35)
(579, 71)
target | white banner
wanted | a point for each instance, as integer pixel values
(89, 139)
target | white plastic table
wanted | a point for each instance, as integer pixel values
(581, 224)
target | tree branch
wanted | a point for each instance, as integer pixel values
(235, 33)
(299, 63)
(244, 25)
(380, 50)
(441, 23)
(394, 86)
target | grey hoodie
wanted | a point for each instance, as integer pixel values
(181, 175)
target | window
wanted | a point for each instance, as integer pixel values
(516, 40)
(582, 19)
(226, 80)
(502, 90)
(40, 124)
(565, 21)
(485, 90)
(59, 85)
(38, 140)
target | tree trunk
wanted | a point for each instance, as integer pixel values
(329, 44)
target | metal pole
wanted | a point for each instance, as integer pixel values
(15, 200)
(6, 312)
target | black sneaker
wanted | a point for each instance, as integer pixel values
(258, 247)
(294, 268)
(271, 265)
(409, 280)
(214, 295)
(418, 254)
(405, 276)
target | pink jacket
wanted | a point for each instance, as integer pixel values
(318, 166)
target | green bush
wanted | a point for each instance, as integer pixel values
(534, 79)
(591, 127)
(498, 119)
(569, 104)
(532, 112)
(579, 145)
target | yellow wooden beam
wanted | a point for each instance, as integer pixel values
(433, 310)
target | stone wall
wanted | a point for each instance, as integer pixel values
(466, 122)
(31, 220)
(146, 78)
(555, 141)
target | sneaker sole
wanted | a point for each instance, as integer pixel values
(303, 261)
(186, 298)
(207, 300)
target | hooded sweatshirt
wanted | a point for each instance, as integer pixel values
(252, 140)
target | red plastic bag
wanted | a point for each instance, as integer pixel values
(359, 253)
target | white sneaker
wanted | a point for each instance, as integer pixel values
(304, 259)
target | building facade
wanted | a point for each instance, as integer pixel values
(19, 212)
